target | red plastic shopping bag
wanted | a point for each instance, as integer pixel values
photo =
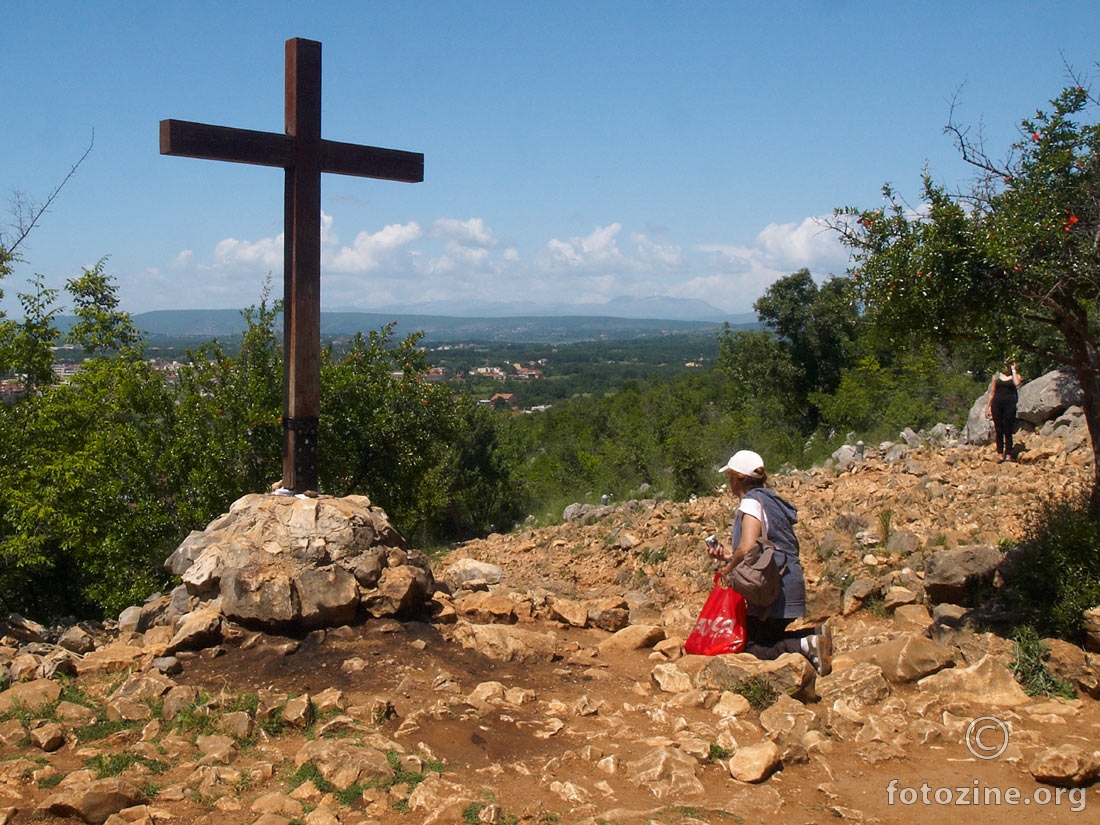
(721, 624)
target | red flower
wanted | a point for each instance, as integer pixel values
(1035, 136)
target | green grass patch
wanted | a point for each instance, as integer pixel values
(51, 781)
(348, 796)
(717, 752)
(654, 555)
(412, 779)
(308, 772)
(71, 692)
(1030, 669)
(1053, 575)
(197, 718)
(102, 728)
(113, 764)
(247, 702)
(758, 690)
(876, 606)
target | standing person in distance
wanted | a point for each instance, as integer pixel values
(1001, 407)
(763, 512)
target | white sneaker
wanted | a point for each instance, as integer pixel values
(819, 649)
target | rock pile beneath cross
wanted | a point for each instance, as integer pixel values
(286, 563)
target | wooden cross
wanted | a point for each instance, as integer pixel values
(303, 155)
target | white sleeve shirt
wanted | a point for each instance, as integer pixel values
(752, 507)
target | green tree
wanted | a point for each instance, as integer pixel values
(87, 510)
(31, 341)
(1003, 263)
(100, 324)
(385, 428)
(228, 439)
(915, 388)
(816, 324)
(87, 507)
(799, 355)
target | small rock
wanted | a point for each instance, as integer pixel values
(755, 763)
(48, 737)
(633, 637)
(78, 640)
(1066, 765)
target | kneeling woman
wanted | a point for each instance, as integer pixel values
(763, 512)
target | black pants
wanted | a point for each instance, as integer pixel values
(770, 639)
(1004, 422)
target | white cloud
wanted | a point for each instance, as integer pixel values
(267, 252)
(328, 237)
(471, 232)
(808, 244)
(462, 260)
(665, 256)
(736, 275)
(457, 256)
(369, 249)
(598, 248)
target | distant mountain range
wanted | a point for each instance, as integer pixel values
(623, 318)
(651, 308)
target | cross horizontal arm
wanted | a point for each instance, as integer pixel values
(371, 162)
(183, 138)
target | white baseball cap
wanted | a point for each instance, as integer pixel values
(745, 463)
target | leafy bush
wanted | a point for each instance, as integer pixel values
(1053, 575)
(85, 501)
(1029, 666)
(437, 464)
(919, 388)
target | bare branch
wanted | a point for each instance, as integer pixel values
(27, 215)
(972, 149)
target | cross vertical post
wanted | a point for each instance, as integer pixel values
(303, 155)
(302, 268)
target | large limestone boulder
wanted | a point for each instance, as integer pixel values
(1048, 396)
(94, 802)
(791, 673)
(1069, 662)
(906, 658)
(345, 764)
(668, 773)
(506, 643)
(1092, 629)
(858, 686)
(31, 696)
(1041, 400)
(755, 763)
(986, 682)
(276, 562)
(953, 575)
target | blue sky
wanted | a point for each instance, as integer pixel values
(574, 151)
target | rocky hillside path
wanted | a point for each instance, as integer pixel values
(554, 689)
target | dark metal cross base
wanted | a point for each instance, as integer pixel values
(301, 435)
